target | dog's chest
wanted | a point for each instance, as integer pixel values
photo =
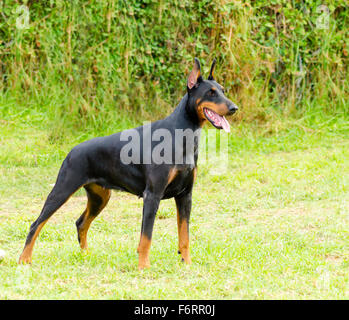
(181, 180)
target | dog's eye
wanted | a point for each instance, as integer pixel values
(212, 93)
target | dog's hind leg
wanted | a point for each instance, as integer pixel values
(98, 198)
(68, 181)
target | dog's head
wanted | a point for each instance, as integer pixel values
(207, 98)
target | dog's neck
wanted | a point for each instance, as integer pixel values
(185, 115)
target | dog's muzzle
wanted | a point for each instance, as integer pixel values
(232, 108)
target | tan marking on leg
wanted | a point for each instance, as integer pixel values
(88, 217)
(26, 256)
(195, 174)
(143, 251)
(84, 228)
(183, 239)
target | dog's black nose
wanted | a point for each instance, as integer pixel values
(232, 108)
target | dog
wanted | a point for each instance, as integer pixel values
(103, 163)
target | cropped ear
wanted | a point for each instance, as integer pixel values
(195, 75)
(210, 77)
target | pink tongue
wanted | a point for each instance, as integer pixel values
(218, 120)
(225, 124)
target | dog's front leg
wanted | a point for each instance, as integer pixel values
(183, 204)
(150, 207)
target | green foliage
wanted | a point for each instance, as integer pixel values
(89, 62)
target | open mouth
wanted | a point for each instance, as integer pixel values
(218, 121)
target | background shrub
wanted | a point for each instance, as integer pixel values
(87, 61)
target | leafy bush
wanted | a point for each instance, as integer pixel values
(83, 61)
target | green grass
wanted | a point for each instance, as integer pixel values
(274, 226)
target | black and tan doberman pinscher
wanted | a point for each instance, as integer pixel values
(99, 165)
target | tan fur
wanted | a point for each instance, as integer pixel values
(220, 109)
(143, 252)
(87, 217)
(183, 238)
(171, 175)
(26, 256)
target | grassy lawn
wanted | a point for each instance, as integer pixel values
(274, 226)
